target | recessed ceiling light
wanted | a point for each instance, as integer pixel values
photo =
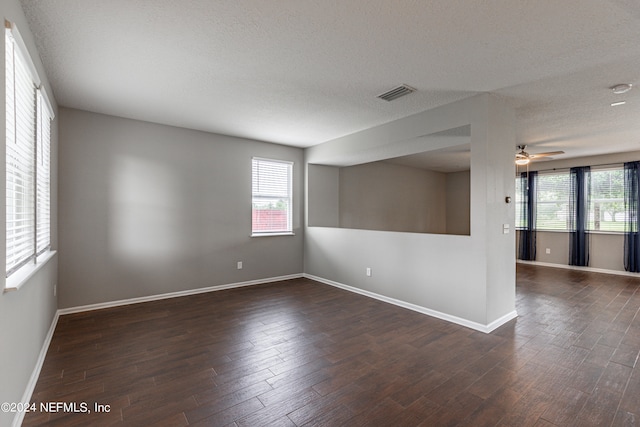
(621, 88)
(615, 104)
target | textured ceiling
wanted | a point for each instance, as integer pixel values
(445, 160)
(454, 154)
(302, 72)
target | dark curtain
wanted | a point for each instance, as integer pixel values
(527, 246)
(579, 194)
(632, 215)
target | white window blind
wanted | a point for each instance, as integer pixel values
(521, 216)
(552, 203)
(271, 196)
(28, 116)
(606, 207)
(43, 177)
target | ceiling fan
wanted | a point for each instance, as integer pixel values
(523, 158)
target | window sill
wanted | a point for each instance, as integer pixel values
(23, 275)
(287, 233)
(613, 233)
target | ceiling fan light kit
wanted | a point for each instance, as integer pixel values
(523, 158)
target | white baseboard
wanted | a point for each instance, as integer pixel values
(157, 297)
(423, 310)
(578, 268)
(33, 380)
(501, 321)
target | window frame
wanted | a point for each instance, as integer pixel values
(39, 148)
(596, 169)
(288, 230)
(519, 203)
(541, 202)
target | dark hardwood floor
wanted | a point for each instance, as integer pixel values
(299, 353)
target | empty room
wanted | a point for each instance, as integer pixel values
(304, 213)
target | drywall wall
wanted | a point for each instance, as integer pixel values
(389, 197)
(558, 245)
(148, 209)
(26, 314)
(458, 202)
(323, 196)
(606, 250)
(425, 269)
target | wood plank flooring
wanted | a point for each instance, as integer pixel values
(300, 353)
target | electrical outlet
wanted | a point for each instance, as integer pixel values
(239, 265)
(55, 290)
(547, 251)
(368, 272)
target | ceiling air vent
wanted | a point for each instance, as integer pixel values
(396, 92)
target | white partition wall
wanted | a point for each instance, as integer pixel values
(466, 279)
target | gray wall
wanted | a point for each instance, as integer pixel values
(424, 269)
(458, 203)
(147, 209)
(25, 315)
(323, 196)
(385, 196)
(605, 250)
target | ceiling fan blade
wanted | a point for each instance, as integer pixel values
(550, 153)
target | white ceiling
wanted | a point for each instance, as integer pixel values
(445, 160)
(301, 72)
(454, 154)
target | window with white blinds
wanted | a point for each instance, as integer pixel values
(271, 196)
(521, 203)
(28, 118)
(606, 211)
(606, 204)
(552, 201)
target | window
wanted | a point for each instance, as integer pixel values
(552, 210)
(606, 207)
(521, 203)
(606, 200)
(271, 197)
(28, 117)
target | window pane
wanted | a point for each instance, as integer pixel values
(27, 160)
(20, 152)
(521, 218)
(43, 178)
(552, 201)
(606, 210)
(271, 196)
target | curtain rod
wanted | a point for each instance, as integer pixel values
(569, 167)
